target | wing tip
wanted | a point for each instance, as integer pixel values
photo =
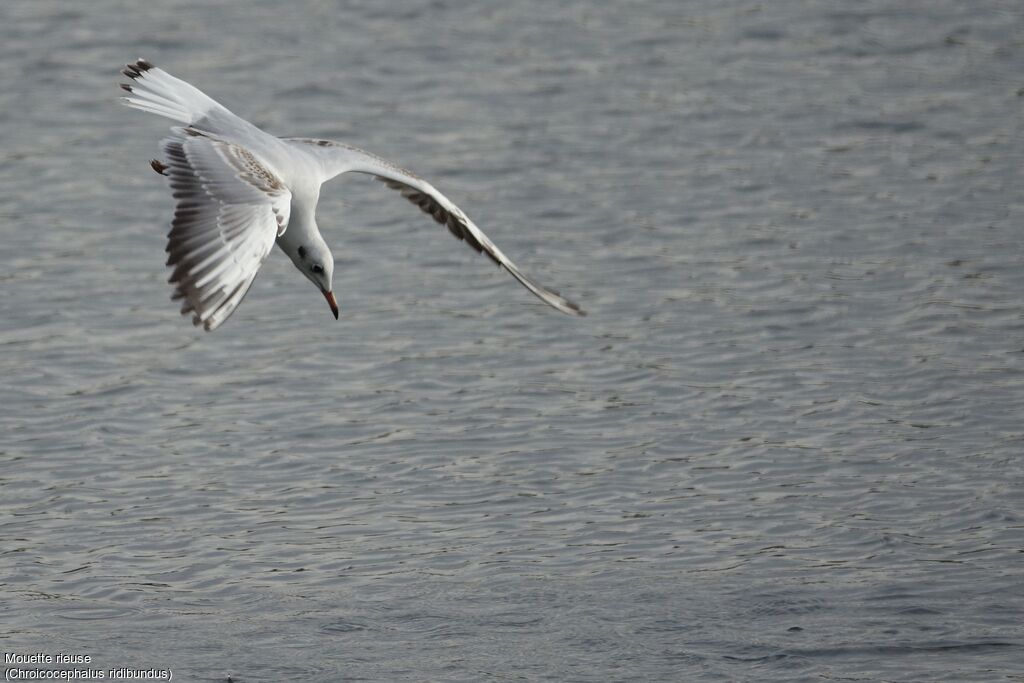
(563, 305)
(573, 309)
(136, 68)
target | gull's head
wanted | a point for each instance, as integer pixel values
(317, 263)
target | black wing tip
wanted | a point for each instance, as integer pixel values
(158, 166)
(566, 306)
(136, 69)
(575, 309)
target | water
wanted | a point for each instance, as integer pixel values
(784, 445)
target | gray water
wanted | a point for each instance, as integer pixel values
(784, 445)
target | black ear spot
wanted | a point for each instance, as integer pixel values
(302, 252)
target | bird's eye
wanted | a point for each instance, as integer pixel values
(318, 269)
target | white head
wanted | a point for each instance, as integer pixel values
(316, 262)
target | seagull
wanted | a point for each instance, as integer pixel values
(239, 190)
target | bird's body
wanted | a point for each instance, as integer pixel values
(239, 189)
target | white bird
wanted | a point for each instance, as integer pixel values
(238, 189)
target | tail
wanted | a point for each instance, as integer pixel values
(155, 91)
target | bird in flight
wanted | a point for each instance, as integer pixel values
(239, 189)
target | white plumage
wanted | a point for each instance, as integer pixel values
(239, 189)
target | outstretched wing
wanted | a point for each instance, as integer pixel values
(337, 158)
(230, 209)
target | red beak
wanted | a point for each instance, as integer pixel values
(333, 304)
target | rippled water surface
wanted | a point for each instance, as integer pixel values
(784, 445)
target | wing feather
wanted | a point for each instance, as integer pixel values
(230, 209)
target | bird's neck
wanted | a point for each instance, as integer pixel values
(302, 228)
